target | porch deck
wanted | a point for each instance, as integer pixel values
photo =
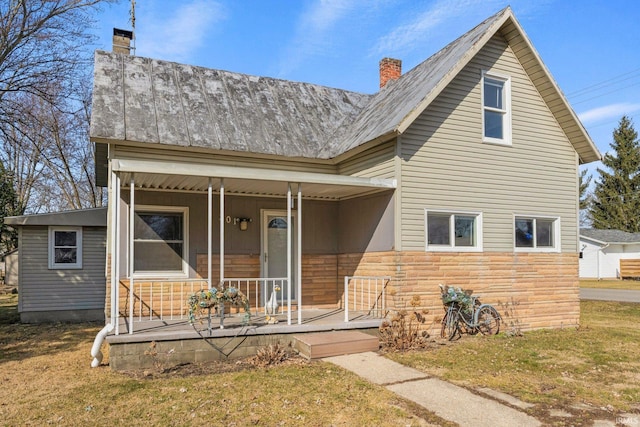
(173, 342)
(313, 320)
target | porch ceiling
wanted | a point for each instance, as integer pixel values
(245, 181)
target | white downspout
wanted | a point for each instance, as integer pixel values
(598, 259)
(97, 342)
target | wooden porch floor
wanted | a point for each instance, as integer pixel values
(313, 320)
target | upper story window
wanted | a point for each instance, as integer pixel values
(453, 231)
(496, 108)
(160, 240)
(65, 247)
(537, 233)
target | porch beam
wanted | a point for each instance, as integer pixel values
(221, 230)
(289, 234)
(115, 263)
(234, 172)
(209, 231)
(130, 236)
(299, 254)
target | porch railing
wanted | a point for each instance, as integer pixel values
(365, 293)
(166, 299)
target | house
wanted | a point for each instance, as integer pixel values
(462, 171)
(61, 265)
(609, 254)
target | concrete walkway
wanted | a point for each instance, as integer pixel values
(446, 400)
(623, 295)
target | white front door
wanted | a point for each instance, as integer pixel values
(274, 249)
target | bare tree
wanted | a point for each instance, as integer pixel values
(45, 62)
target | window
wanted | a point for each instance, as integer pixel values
(496, 108)
(453, 231)
(159, 239)
(536, 233)
(65, 247)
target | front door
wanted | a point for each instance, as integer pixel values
(274, 249)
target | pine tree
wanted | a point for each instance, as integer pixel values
(616, 197)
(8, 207)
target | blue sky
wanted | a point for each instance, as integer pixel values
(592, 48)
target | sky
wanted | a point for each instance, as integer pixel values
(591, 47)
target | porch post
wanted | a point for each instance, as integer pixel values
(132, 214)
(299, 255)
(115, 251)
(209, 231)
(289, 253)
(221, 230)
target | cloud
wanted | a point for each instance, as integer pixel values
(178, 33)
(312, 28)
(608, 112)
(410, 34)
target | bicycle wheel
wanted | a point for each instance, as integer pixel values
(450, 328)
(488, 321)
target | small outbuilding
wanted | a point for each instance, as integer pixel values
(61, 265)
(609, 254)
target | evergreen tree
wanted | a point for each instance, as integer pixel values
(616, 197)
(8, 207)
(584, 198)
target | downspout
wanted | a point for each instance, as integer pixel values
(115, 241)
(598, 258)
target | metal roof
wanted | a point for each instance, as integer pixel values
(147, 100)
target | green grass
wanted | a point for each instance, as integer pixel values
(610, 284)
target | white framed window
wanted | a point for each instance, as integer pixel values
(453, 231)
(536, 233)
(160, 241)
(496, 108)
(65, 248)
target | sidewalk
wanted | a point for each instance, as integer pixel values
(440, 397)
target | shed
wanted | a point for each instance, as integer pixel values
(609, 254)
(61, 265)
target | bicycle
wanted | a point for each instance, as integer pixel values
(464, 313)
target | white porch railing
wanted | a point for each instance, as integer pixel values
(368, 293)
(259, 290)
(166, 299)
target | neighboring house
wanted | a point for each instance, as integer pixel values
(61, 265)
(463, 171)
(609, 254)
(11, 268)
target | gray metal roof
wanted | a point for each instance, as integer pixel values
(96, 217)
(147, 100)
(610, 236)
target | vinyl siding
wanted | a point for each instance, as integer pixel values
(42, 289)
(445, 164)
(377, 162)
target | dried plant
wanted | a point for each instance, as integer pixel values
(511, 318)
(270, 355)
(404, 330)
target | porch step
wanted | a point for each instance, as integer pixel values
(327, 344)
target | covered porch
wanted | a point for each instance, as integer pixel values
(260, 205)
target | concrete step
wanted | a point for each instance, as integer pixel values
(326, 344)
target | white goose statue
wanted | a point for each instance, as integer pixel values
(272, 305)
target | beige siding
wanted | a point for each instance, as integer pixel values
(445, 165)
(155, 152)
(376, 162)
(42, 289)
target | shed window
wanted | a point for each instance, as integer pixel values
(453, 231)
(496, 108)
(65, 247)
(160, 240)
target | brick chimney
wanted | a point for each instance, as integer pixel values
(390, 69)
(122, 41)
